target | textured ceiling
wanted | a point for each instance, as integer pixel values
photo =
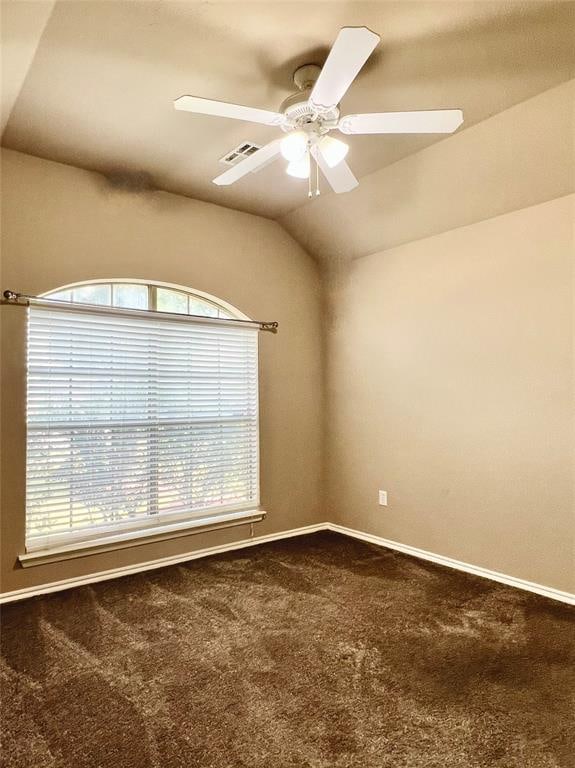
(99, 92)
(21, 25)
(520, 157)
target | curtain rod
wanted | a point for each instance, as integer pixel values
(24, 300)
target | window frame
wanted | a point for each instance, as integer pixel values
(153, 527)
(153, 285)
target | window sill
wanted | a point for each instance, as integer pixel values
(130, 539)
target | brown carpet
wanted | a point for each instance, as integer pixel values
(318, 651)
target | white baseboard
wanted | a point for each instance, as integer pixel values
(77, 581)
(150, 565)
(476, 570)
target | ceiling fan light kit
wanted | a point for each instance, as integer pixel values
(308, 115)
(299, 169)
(333, 150)
(294, 146)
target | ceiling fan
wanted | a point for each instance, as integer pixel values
(308, 116)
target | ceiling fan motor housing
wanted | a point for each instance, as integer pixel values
(297, 108)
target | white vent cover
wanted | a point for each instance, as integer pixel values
(240, 153)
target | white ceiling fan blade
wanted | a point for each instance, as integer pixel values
(425, 121)
(340, 177)
(225, 109)
(352, 48)
(252, 163)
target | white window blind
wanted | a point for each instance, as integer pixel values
(135, 422)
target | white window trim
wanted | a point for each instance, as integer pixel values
(148, 530)
(137, 537)
(234, 311)
(144, 525)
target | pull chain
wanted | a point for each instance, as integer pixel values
(312, 162)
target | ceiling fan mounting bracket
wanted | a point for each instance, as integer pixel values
(304, 77)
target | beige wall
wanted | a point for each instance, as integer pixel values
(448, 354)
(450, 385)
(21, 27)
(449, 346)
(61, 225)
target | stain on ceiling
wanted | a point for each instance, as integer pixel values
(99, 92)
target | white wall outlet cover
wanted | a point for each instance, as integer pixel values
(383, 498)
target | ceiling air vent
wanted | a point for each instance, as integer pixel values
(239, 153)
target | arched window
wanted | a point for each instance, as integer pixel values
(138, 294)
(138, 423)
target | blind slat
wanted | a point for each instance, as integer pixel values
(134, 418)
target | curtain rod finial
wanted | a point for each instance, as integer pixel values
(273, 327)
(10, 296)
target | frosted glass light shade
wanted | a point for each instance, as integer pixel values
(333, 150)
(294, 146)
(299, 169)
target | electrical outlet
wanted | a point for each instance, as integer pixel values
(383, 498)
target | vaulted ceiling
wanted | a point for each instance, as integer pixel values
(99, 90)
